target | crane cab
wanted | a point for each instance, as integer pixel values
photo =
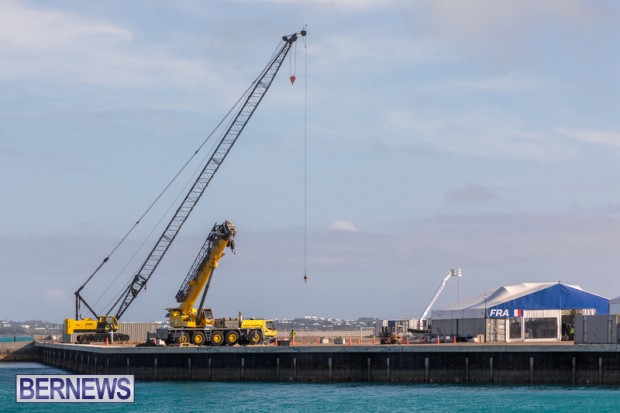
(103, 324)
(194, 319)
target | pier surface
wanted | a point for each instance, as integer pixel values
(503, 364)
(18, 351)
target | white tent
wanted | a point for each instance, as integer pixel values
(519, 312)
(475, 307)
(614, 306)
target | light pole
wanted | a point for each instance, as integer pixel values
(485, 318)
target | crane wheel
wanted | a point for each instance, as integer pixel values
(183, 338)
(198, 338)
(217, 338)
(255, 337)
(232, 338)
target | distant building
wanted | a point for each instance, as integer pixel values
(520, 312)
(396, 326)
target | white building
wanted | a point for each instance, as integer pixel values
(520, 312)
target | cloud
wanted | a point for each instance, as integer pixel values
(363, 53)
(480, 23)
(610, 209)
(57, 46)
(490, 134)
(346, 5)
(471, 194)
(484, 14)
(501, 83)
(598, 137)
(493, 249)
(343, 225)
(54, 297)
(9, 152)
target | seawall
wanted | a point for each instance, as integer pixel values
(520, 364)
(19, 351)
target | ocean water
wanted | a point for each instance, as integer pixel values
(186, 397)
(10, 339)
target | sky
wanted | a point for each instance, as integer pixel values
(419, 136)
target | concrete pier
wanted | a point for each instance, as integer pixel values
(475, 364)
(18, 351)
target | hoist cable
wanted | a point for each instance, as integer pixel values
(166, 188)
(305, 158)
(182, 191)
(133, 256)
(157, 225)
(174, 178)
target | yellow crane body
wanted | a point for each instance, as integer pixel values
(105, 327)
(198, 325)
(197, 281)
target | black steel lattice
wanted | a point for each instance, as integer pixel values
(238, 124)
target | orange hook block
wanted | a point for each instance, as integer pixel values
(293, 79)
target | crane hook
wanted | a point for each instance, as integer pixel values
(293, 79)
(305, 278)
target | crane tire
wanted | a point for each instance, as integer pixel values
(255, 337)
(183, 338)
(198, 338)
(232, 337)
(217, 338)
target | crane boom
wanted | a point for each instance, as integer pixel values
(451, 273)
(198, 325)
(199, 275)
(243, 115)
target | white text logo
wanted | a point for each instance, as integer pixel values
(74, 388)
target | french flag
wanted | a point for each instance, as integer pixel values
(518, 313)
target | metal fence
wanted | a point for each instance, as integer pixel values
(597, 329)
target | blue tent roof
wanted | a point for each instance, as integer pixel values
(556, 297)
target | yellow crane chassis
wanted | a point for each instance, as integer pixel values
(214, 336)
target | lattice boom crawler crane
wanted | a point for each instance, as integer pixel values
(105, 324)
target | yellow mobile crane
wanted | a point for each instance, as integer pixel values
(198, 325)
(105, 323)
